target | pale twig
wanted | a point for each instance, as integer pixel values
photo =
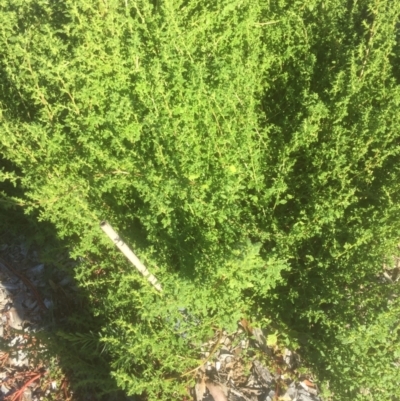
(266, 23)
(129, 254)
(207, 359)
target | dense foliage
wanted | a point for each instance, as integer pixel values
(248, 151)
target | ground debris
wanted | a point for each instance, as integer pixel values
(24, 371)
(241, 366)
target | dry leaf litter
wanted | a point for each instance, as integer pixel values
(24, 370)
(247, 365)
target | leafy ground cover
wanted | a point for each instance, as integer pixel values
(248, 152)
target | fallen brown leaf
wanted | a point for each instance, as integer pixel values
(200, 389)
(246, 325)
(218, 391)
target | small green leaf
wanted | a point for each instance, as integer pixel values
(272, 340)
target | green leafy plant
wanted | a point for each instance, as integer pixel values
(248, 152)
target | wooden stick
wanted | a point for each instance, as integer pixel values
(129, 254)
(18, 394)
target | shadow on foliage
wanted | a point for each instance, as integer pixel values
(68, 330)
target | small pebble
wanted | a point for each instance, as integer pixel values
(4, 389)
(48, 303)
(37, 269)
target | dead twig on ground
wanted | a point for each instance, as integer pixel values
(27, 282)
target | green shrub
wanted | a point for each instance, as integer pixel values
(248, 152)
